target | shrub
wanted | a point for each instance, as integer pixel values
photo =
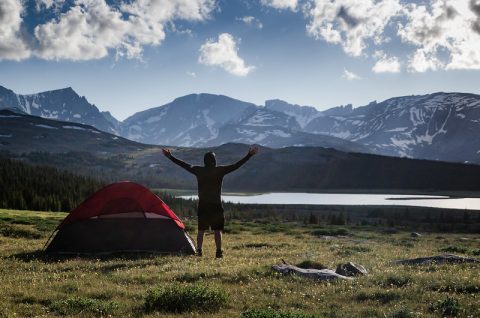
(349, 250)
(460, 287)
(371, 313)
(403, 313)
(77, 305)
(447, 307)
(330, 232)
(194, 277)
(397, 281)
(270, 313)
(454, 249)
(382, 297)
(180, 299)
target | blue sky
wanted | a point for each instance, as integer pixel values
(129, 55)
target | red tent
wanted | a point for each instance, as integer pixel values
(123, 216)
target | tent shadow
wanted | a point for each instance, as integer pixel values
(44, 257)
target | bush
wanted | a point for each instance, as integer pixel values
(371, 313)
(396, 281)
(330, 232)
(178, 299)
(447, 307)
(403, 313)
(460, 287)
(78, 305)
(270, 313)
(454, 249)
(382, 297)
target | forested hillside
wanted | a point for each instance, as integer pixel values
(27, 187)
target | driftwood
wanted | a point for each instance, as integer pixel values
(439, 259)
(317, 274)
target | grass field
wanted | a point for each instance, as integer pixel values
(242, 284)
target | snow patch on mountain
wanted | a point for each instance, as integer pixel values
(46, 126)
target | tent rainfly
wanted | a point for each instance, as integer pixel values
(122, 217)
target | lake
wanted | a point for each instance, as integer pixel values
(353, 199)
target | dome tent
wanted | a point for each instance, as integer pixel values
(122, 217)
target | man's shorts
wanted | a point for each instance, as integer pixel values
(210, 216)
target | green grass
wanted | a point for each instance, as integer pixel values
(179, 299)
(331, 232)
(242, 284)
(84, 305)
(450, 307)
(271, 313)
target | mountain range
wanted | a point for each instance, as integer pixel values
(85, 150)
(439, 126)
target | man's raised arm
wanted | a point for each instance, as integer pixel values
(251, 152)
(183, 164)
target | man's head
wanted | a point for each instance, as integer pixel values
(209, 159)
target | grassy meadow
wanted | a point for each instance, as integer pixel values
(242, 284)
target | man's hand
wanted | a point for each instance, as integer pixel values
(252, 151)
(167, 152)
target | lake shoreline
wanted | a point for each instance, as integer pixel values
(237, 192)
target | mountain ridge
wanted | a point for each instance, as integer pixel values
(437, 126)
(62, 104)
(88, 151)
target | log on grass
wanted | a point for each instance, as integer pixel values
(317, 274)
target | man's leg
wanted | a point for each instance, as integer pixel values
(218, 239)
(200, 241)
(218, 243)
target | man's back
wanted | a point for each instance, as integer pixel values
(209, 181)
(210, 177)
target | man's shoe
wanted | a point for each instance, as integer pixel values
(199, 252)
(219, 254)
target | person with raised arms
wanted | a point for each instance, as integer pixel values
(209, 179)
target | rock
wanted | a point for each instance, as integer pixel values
(415, 234)
(317, 274)
(351, 269)
(439, 259)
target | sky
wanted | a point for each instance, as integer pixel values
(126, 56)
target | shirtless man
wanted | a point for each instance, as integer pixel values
(209, 180)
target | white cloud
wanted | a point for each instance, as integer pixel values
(86, 31)
(350, 22)
(446, 35)
(13, 43)
(281, 4)
(423, 60)
(90, 28)
(191, 74)
(47, 4)
(350, 76)
(224, 53)
(386, 64)
(251, 21)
